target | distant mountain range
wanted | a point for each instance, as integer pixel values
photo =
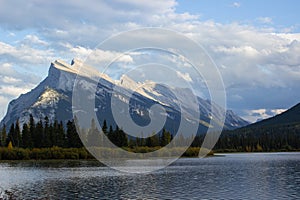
(53, 98)
(288, 121)
(289, 117)
(278, 133)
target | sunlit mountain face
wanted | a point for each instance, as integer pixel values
(53, 98)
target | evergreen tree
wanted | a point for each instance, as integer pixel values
(115, 136)
(94, 137)
(104, 127)
(38, 135)
(77, 136)
(47, 134)
(149, 142)
(17, 135)
(32, 130)
(165, 138)
(31, 124)
(26, 137)
(73, 139)
(51, 135)
(110, 134)
(69, 135)
(10, 135)
(122, 140)
(61, 136)
(83, 135)
(54, 134)
(3, 136)
(152, 141)
(132, 142)
(57, 134)
(140, 141)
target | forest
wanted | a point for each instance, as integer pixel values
(47, 140)
(266, 138)
(44, 134)
(52, 140)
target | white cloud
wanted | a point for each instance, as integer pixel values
(236, 4)
(243, 50)
(33, 39)
(10, 75)
(80, 52)
(98, 56)
(56, 18)
(260, 114)
(289, 36)
(255, 59)
(185, 76)
(14, 91)
(13, 83)
(25, 54)
(3, 104)
(6, 68)
(10, 80)
(255, 115)
(278, 111)
(237, 97)
(265, 20)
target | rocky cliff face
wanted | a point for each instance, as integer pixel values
(53, 98)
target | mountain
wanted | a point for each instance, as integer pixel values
(278, 133)
(53, 98)
(285, 121)
(281, 123)
(290, 116)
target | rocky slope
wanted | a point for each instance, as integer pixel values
(53, 98)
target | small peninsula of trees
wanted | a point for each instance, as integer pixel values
(45, 134)
(52, 140)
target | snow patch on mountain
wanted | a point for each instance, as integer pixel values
(234, 120)
(50, 97)
(53, 97)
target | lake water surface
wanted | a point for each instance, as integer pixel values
(228, 176)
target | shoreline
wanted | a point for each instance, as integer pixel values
(58, 153)
(279, 151)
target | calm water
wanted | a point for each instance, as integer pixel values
(230, 176)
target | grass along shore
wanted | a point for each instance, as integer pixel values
(57, 153)
(9, 153)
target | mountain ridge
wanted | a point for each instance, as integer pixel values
(278, 133)
(290, 116)
(53, 97)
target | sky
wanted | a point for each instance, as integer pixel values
(255, 44)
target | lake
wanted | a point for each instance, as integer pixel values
(225, 176)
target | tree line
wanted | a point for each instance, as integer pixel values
(257, 139)
(265, 138)
(41, 134)
(46, 134)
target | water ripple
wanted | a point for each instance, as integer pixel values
(233, 176)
